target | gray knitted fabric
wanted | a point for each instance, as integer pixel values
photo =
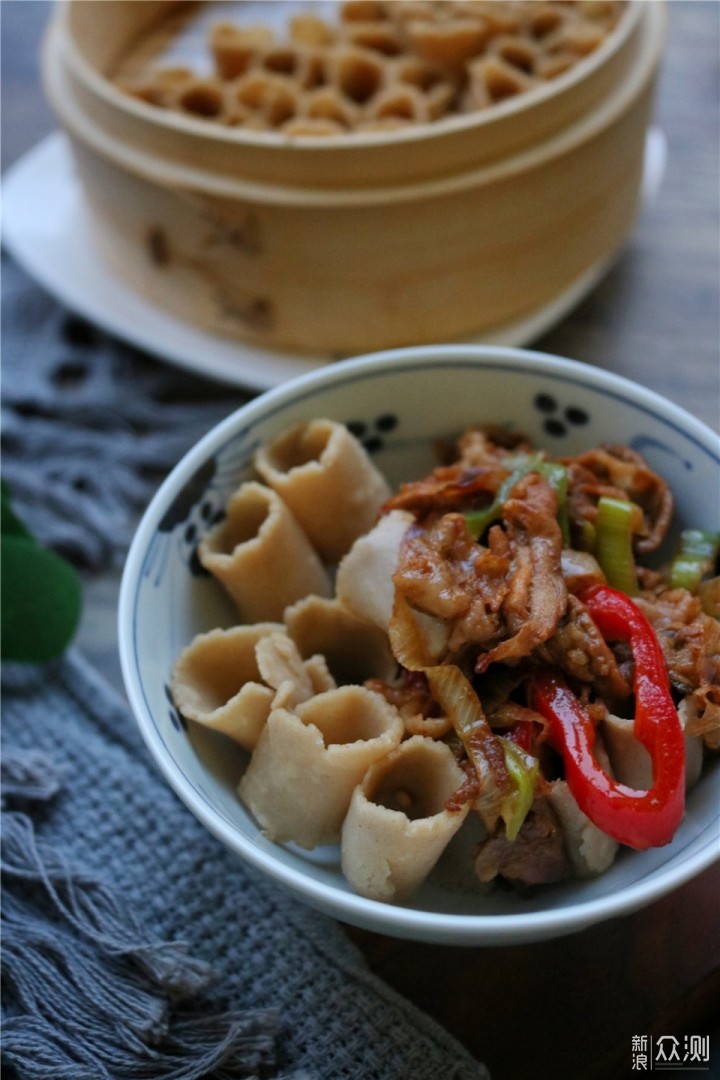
(134, 944)
(89, 425)
(97, 994)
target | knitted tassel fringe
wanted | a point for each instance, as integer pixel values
(85, 995)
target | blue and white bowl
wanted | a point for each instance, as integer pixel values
(399, 403)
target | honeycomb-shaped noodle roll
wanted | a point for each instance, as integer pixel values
(551, 65)
(502, 18)
(403, 103)
(378, 37)
(520, 53)
(543, 21)
(581, 40)
(493, 80)
(327, 103)
(357, 73)
(203, 98)
(451, 43)
(381, 65)
(270, 98)
(311, 31)
(364, 11)
(438, 87)
(159, 88)
(236, 48)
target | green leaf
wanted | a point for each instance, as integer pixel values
(41, 598)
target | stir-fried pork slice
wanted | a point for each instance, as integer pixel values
(690, 641)
(481, 460)
(537, 856)
(449, 488)
(580, 570)
(700, 713)
(483, 446)
(579, 648)
(537, 595)
(416, 705)
(619, 472)
(442, 572)
(508, 714)
(709, 595)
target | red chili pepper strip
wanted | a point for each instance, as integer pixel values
(640, 819)
(523, 734)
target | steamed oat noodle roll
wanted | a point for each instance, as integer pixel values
(216, 682)
(307, 762)
(397, 826)
(326, 477)
(294, 680)
(364, 584)
(261, 555)
(629, 760)
(364, 580)
(353, 648)
(378, 66)
(589, 849)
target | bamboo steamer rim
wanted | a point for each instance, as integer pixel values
(495, 114)
(127, 156)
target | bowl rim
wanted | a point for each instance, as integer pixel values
(399, 921)
(565, 82)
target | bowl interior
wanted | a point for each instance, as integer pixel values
(400, 403)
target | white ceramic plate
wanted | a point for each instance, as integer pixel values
(400, 403)
(46, 227)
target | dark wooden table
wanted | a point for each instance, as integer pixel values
(567, 1009)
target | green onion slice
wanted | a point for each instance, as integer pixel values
(614, 543)
(695, 558)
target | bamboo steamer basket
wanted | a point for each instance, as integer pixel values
(337, 245)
